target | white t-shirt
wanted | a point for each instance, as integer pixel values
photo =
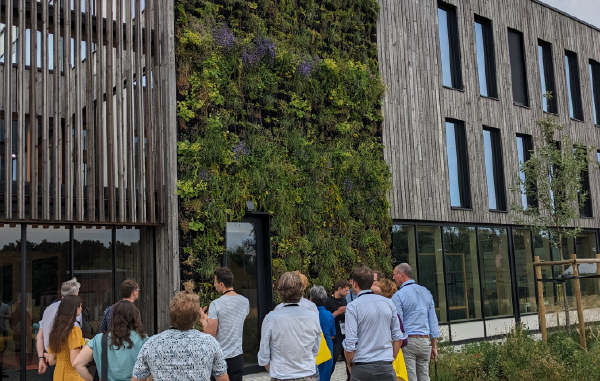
(48, 320)
(304, 303)
(230, 311)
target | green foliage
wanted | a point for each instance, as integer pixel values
(521, 358)
(280, 104)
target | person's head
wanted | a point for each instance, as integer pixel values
(184, 310)
(402, 273)
(223, 279)
(124, 319)
(304, 280)
(68, 310)
(377, 276)
(341, 288)
(130, 290)
(290, 287)
(318, 295)
(388, 287)
(362, 279)
(70, 287)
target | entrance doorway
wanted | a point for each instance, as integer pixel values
(248, 255)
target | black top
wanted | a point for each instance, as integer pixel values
(332, 304)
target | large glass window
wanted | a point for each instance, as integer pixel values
(524, 149)
(573, 85)
(585, 244)
(404, 248)
(495, 268)
(494, 168)
(517, 67)
(524, 270)
(431, 267)
(547, 76)
(486, 66)
(449, 46)
(595, 79)
(462, 274)
(458, 164)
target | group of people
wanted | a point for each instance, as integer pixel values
(366, 322)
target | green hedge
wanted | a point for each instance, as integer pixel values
(280, 103)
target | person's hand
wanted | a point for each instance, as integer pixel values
(203, 316)
(434, 353)
(341, 310)
(42, 366)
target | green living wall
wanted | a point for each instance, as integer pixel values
(279, 102)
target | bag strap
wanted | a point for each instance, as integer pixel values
(104, 360)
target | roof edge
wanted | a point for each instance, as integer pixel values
(566, 14)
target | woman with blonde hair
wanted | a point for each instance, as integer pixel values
(66, 339)
(388, 287)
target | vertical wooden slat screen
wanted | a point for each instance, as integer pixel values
(89, 117)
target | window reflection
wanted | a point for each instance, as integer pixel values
(524, 271)
(403, 247)
(445, 47)
(489, 169)
(483, 88)
(431, 262)
(453, 165)
(497, 286)
(586, 248)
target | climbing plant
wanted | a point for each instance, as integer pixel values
(279, 103)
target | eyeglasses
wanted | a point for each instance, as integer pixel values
(138, 289)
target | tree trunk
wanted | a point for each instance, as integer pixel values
(564, 285)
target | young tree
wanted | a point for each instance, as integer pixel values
(553, 178)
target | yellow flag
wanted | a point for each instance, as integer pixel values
(324, 352)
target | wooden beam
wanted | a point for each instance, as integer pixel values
(554, 263)
(8, 94)
(580, 317)
(139, 116)
(33, 149)
(56, 122)
(21, 159)
(100, 125)
(68, 132)
(110, 123)
(90, 120)
(130, 129)
(149, 115)
(120, 154)
(45, 116)
(79, 104)
(541, 305)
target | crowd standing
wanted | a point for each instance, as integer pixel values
(370, 322)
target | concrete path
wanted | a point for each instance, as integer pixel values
(338, 375)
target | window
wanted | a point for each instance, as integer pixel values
(449, 46)
(585, 247)
(524, 274)
(403, 247)
(517, 68)
(585, 210)
(494, 168)
(431, 263)
(524, 149)
(573, 85)
(458, 164)
(547, 76)
(486, 65)
(595, 78)
(495, 268)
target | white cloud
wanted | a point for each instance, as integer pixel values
(586, 10)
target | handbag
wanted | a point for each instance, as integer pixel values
(400, 367)
(324, 352)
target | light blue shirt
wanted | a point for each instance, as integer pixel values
(289, 342)
(416, 310)
(121, 360)
(350, 297)
(371, 326)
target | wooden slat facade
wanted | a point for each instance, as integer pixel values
(416, 103)
(94, 136)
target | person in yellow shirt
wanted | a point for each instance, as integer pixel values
(66, 339)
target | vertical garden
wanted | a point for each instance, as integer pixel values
(279, 103)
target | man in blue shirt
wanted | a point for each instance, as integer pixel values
(373, 335)
(416, 309)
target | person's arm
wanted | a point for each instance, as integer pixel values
(339, 311)
(210, 321)
(211, 327)
(39, 345)
(224, 377)
(73, 353)
(396, 345)
(351, 341)
(434, 330)
(104, 322)
(264, 352)
(399, 312)
(84, 358)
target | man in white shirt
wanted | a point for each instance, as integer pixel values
(290, 336)
(225, 322)
(303, 301)
(70, 287)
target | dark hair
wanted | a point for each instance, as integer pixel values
(342, 283)
(184, 310)
(225, 276)
(127, 288)
(363, 276)
(124, 319)
(380, 275)
(63, 323)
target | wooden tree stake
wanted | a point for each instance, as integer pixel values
(541, 306)
(578, 299)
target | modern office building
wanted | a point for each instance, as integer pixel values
(87, 162)
(465, 82)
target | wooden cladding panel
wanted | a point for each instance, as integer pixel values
(416, 104)
(89, 126)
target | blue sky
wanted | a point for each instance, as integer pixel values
(586, 10)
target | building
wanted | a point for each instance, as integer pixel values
(95, 197)
(465, 83)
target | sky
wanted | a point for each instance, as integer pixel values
(586, 10)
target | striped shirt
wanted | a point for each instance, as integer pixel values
(230, 311)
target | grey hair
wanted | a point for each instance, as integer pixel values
(318, 295)
(70, 287)
(404, 268)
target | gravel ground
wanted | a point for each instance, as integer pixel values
(338, 375)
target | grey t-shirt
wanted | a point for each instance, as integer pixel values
(230, 311)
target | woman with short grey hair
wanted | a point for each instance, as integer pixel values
(318, 295)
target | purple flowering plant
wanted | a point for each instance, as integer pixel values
(224, 37)
(307, 65)
(262, 50)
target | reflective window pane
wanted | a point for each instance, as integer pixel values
(569, 84)
(521, 153)
(543, 249)
(403, 247)
(431, 262)
(453, 168)
(483, 88)
(462, 274)
(93, 269)
(489, 169)
(524, 270)
(542, 76)
(445, 47)
(495, 267)
(586, 248)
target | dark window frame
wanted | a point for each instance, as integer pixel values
(527, 149)
(518, 68)
(489, 56)
(462, 158)
(453, 44)
(549, 77)
(595, 81)
(574, 82)
(587, 210)
(498, 164)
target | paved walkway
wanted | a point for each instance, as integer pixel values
(338, 375)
